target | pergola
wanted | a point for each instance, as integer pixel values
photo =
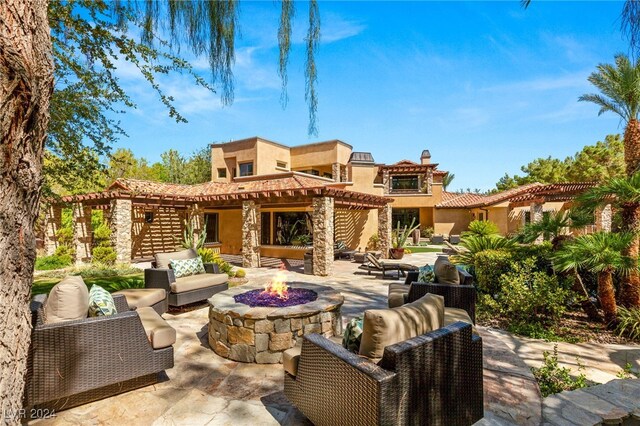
(285, 190)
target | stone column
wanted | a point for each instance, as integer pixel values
(343, 174)
(536, 212)
(335, 172)
(323, 236)
(604, 217)
(52, 222)
(121, 227)
(250, 234)
(384, 229)
(386, 182)
(197, 220)
(82, 237)
(429, 181)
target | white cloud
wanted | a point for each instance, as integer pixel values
(567, 81)
(335, 28)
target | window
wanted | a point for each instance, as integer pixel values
(292, 228)
(404, 183)
(480, 217)
(211, 226)
(405, 216)
(311, 172)
(327, 175)
(281, 164)
(246, 169)
(265, 228)
(148, 217)
(222, 173)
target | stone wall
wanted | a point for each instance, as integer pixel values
(82, 233)
(386, 182)
(384, 229)
(335, 172)
(121, 229)
(536, 212)
(53, 221)
(323, 236)
(262, 341)
(250, 234)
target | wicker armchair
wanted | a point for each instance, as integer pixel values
(165, 278)
(433, 379)
(75, 362)
(461, 296)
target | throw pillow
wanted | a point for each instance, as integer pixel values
(101, 302)
(186, 267)
(340, 245)
(353, 335)
(426, 274)
(446, 272)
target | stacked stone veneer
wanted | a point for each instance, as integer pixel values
(241, 333)
(323, 209)
(384, 229)
(82, 233)
(250, 234)
(121, 227)
(53, 221)
(604, 218)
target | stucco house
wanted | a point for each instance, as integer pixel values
(269, 199)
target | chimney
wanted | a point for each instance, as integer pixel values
(425, 158)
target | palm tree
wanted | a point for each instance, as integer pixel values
(619, 87)
(550, 228)
(603, 254)
(623, 194)
(447, 179)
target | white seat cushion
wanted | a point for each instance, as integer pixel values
(143, 297)
(67, 301)
(159, 332)
(196, 282)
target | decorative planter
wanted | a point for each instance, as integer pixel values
(396, 253)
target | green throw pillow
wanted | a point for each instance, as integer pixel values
(101, 302)
(186, 267)
(426, 274)
(353, 335)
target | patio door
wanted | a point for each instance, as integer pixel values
(404, 216)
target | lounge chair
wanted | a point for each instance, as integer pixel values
(374, 264)
(431, 378)
(76, 359)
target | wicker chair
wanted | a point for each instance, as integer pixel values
(75, 362)
(165, 278)
(433, 379)
(461, 296)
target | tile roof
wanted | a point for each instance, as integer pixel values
(529, 192)
(243, 188)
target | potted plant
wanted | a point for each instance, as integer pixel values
(399, 239)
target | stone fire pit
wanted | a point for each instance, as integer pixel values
(242, 333)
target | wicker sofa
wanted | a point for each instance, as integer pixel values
(184, 290)
(78, 361)
(434, 379)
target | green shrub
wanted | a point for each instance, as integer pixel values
(374, 242)
(102, 235)
(554, 379)
(47, 263)
(64, 251)
(629, 322)
(206, 254)
(540, 253)
(486, 308)
(489, 266)
(104, 255)
(426, 232)
(481, 228)
(477, 243)
(225, 267)
(241, 273)
(528, 295)
(65, 236)
(126, 284)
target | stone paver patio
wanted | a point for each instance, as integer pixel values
(204, 388)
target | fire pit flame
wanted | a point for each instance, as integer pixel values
(278, 286)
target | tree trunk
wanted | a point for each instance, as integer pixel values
(630, 284)
(632, 147)
(26, 84)
(587, 306)
(607, 296)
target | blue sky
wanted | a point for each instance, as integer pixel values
(485, 86)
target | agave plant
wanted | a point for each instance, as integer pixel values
(189, 239)
(400, 236)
